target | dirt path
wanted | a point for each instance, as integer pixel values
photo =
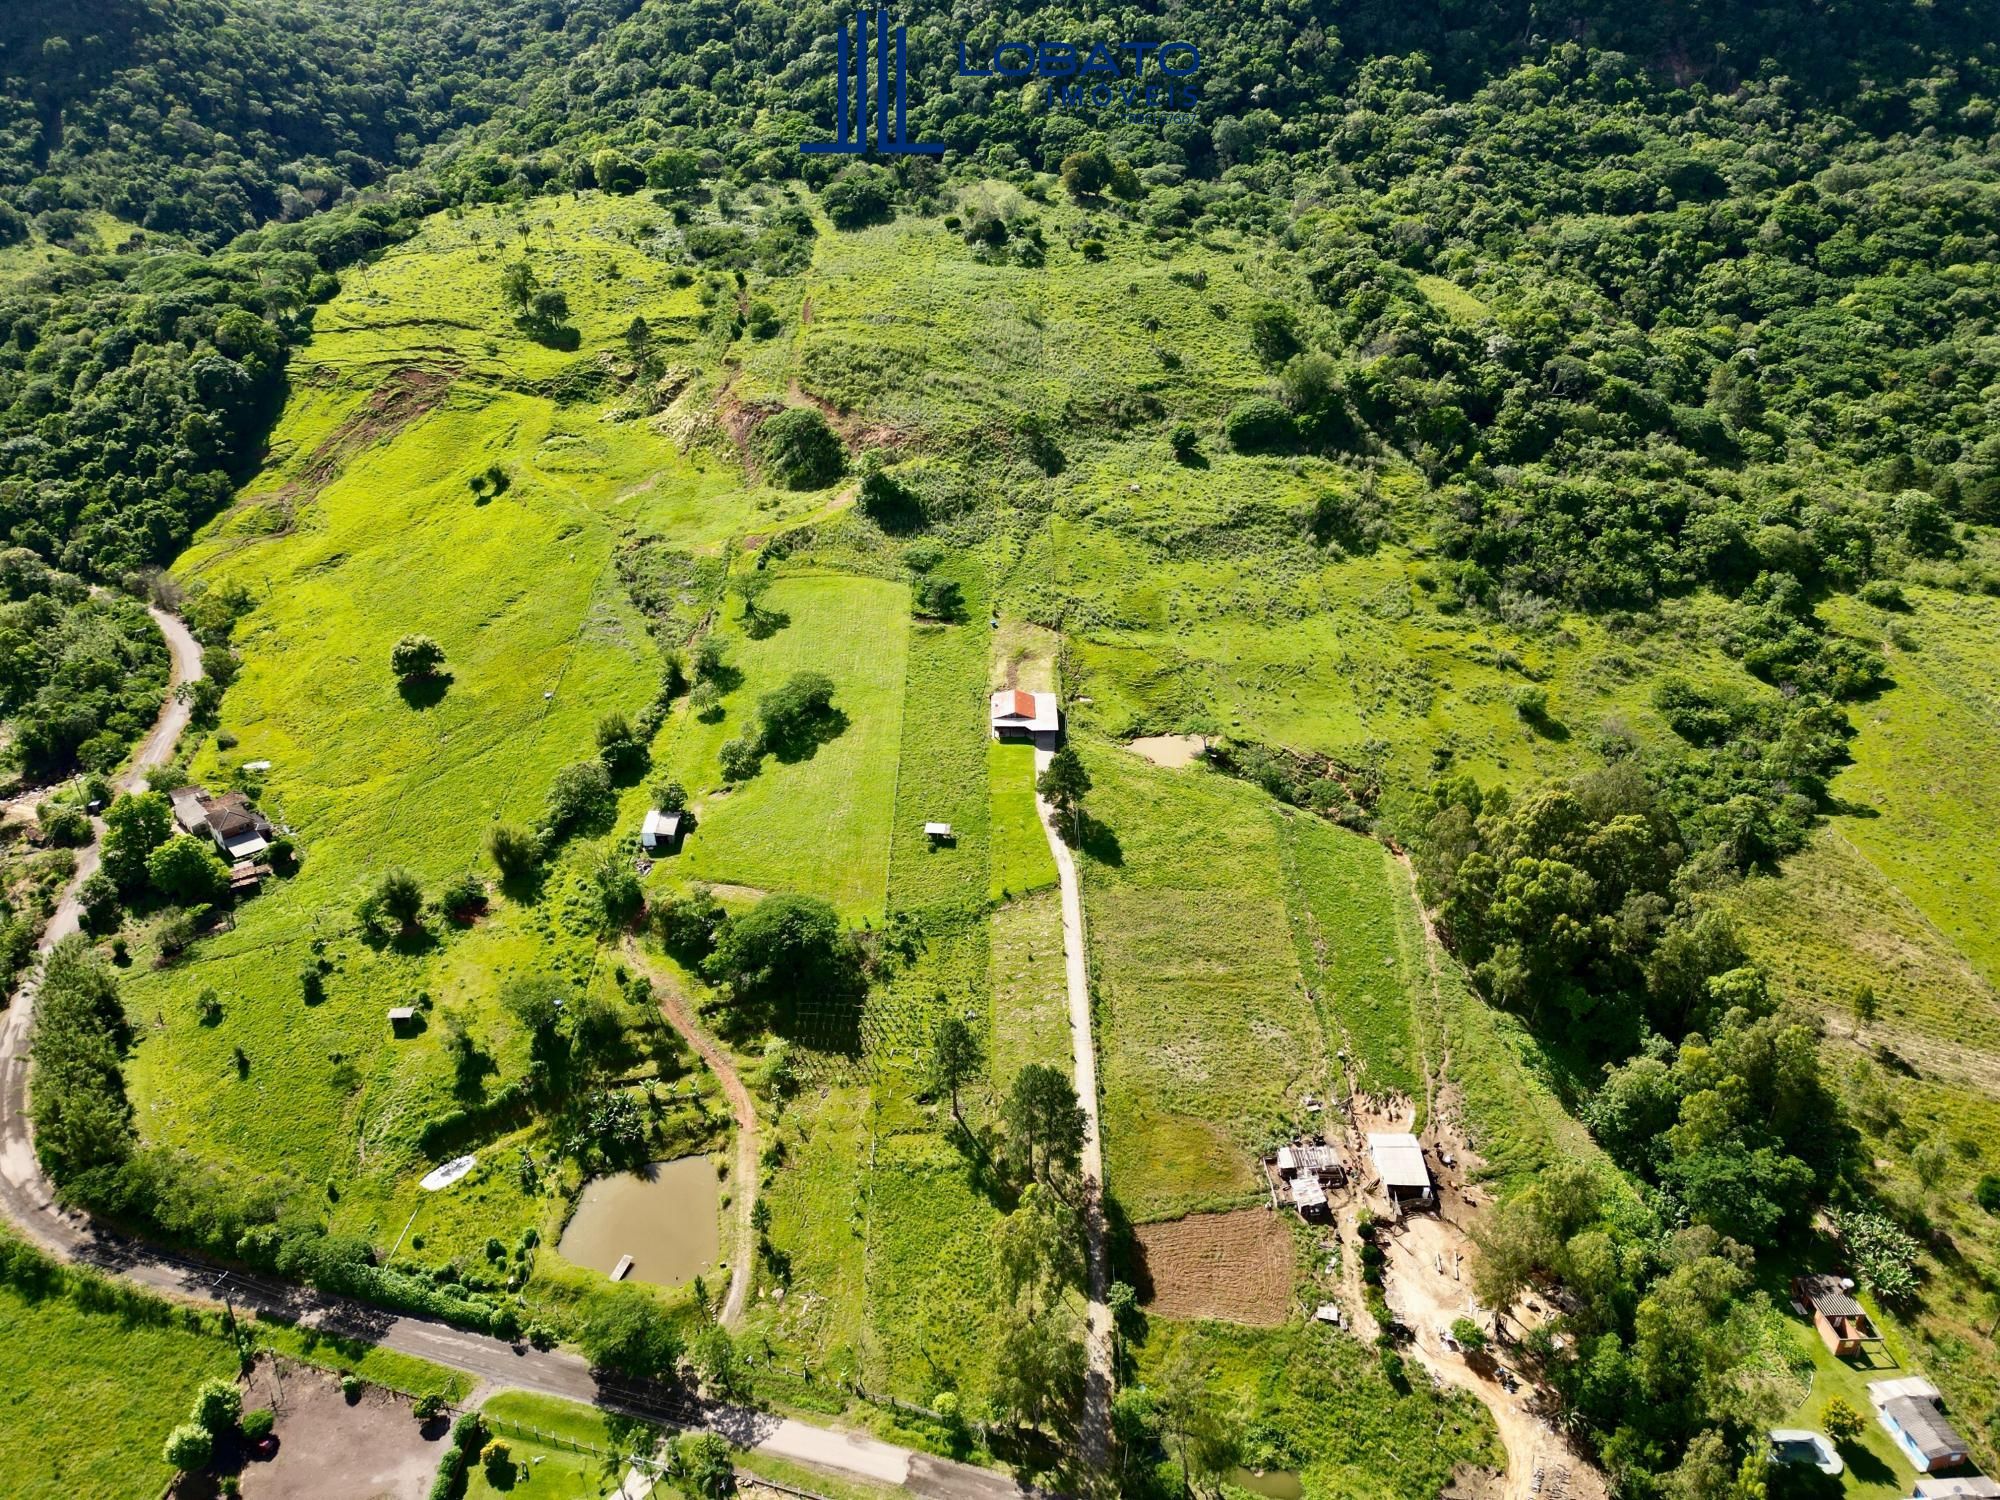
(1097, 1329)
(680, 1015)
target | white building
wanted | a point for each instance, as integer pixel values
(1026, 716)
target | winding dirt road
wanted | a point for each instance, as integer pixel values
(681, 1016)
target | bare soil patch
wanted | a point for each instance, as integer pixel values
(1170, 750)
(1236, 1267)
(373, 1449)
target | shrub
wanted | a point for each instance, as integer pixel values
(217, 1405)
(1183, 438)
(1260, 425)
(798, 450)
(669, 795)
(513, 849)
(188, 1448)
(65, 827)
(257, 1424)
(1987, 1193)
(580, 794)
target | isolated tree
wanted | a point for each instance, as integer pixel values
(956, 1058)
(1842, 1422)
(217, 1405)
(798, 450)
(1085, 174)
(401, 896)
(1193, 1425)
(669, 796)
(1065, 784)
(714, 1354)
(416, 657)
(626, 1331)
(785, 949)
(703, 1463)
(1042, 1112)
(518, 285)
(1039, 1370)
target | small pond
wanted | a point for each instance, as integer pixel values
(1277, 1483)
(663, 1217)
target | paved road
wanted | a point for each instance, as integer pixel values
(681, 1015)
(28, 1201)
(1101, 1373)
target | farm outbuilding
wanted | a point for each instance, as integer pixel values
(1965, 1487)
(1027, 716)
(1843, 1324)
(661, 832)
(1912, 1412)
(1398, 1158)
(1305, 1170)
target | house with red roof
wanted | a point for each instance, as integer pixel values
(1026, 716)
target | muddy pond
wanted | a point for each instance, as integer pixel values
(663, 1217)
(1275, 1483)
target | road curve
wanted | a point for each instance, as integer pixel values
(28, 1201)
(1100, 1372)
(681, 1016)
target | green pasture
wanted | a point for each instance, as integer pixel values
(820, 823)
(1207, 1041)
(1021, 860)
(87, 1397)
(1346, 913)
(1319, 1405)
(1924, 789)
(558, 1449)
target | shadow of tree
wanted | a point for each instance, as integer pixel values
(801, 741)
(424, 692)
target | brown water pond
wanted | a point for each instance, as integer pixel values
(1277, 1483)
(664, 1218)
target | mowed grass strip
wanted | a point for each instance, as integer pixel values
(942, 773)
(933, 1304)
(1206, 1036)
(1344, 914)
(1021, 861)
(1030, 1003)
(821, 823)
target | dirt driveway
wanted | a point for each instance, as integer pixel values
(329, 1450)
(1429, 1286)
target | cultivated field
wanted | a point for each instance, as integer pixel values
(1236, 1267)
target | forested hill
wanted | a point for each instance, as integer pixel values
(208, 117)
(1711, 236)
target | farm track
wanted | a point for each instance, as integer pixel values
(681, 1016)
(1101, 1369)
(28, 1201)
